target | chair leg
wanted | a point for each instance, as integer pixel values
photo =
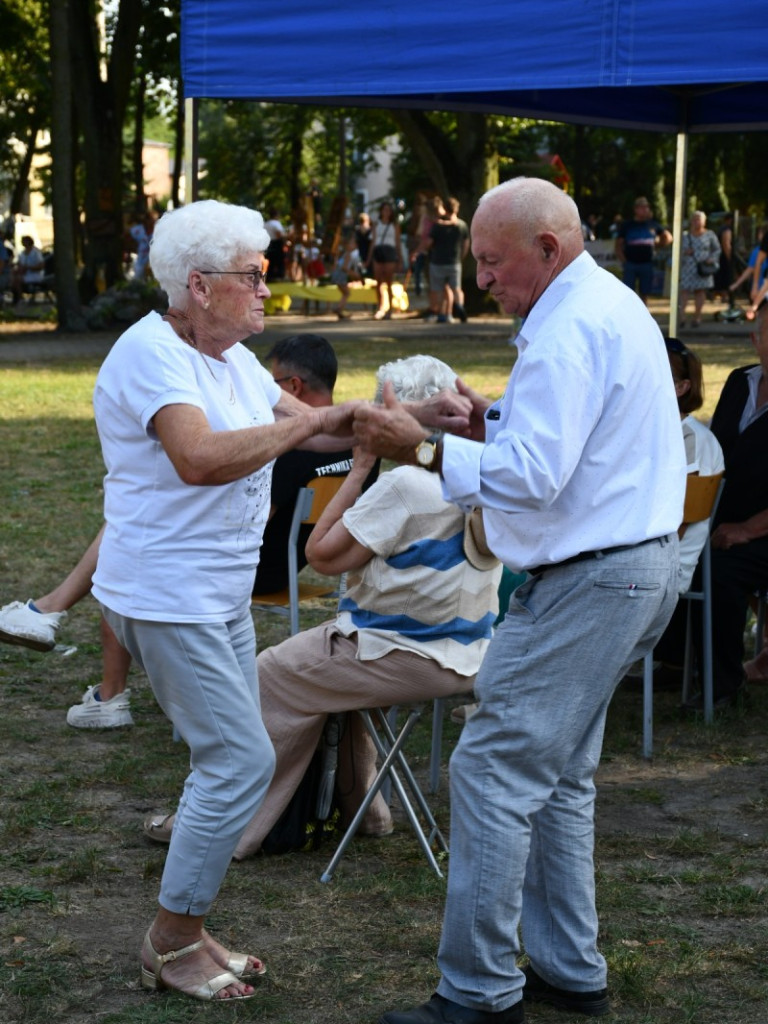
(396, 744)
(707, 674)
(438, 711)
(688, 658)
(648, 705)
(390, 751)
(386, 788)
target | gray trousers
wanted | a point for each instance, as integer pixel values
(204, 677)
(522, 789)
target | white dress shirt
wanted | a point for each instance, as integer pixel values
(587, 451)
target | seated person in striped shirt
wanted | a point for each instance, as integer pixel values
(414, 622)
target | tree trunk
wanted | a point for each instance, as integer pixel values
(101, 107)
(69, 312)
(20, 193)
(140, 204)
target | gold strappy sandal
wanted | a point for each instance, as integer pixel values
(152, 979)
(237, 963)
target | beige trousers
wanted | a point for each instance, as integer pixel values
(302, 681)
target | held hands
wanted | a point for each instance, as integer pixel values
(479, 405)
(331, 427)
(336, 420)
(446, 411)
(388, 430)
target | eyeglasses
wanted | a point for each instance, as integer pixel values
(257, 276)
(279, 380)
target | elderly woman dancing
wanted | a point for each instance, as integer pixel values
(189, 424)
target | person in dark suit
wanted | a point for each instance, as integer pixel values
(740, 533)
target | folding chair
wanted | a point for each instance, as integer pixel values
(390, 746)
(311, 500)
(702, 494)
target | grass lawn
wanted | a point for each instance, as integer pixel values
(681, 841)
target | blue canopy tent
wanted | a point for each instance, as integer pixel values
(662, 65)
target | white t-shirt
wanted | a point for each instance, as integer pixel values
(34, 258)
(173, 551)
(584, 451)
(705, 457)
(274, 229)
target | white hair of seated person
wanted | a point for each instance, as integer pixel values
(415, 378)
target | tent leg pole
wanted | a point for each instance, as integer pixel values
(191, 139)
(681, 163)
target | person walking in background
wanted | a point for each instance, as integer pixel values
(418, 233)
(724, 274)
(448, 244)
(347, 269)
(363, 236)
(386, 258)
(636, 243)
(557, 466)
(700, 258)
(276, 249)
(436, 213)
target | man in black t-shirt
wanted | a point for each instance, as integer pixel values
(306, 366)
(447, 245)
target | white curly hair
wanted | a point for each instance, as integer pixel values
(205, 235)
(415, 378)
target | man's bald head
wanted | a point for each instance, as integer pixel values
(524, 233)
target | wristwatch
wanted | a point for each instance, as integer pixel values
(426, 451)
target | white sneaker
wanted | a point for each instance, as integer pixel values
(22, 625)
(91, 713)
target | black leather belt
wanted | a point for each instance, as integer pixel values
(584, 556)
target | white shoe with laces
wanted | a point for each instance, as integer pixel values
(20, 624)
(92, 713)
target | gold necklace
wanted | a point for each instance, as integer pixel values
(185, 330)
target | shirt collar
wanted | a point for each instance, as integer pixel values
(576, 272)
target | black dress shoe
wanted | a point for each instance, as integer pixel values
(440, 1010)
(590, 1004)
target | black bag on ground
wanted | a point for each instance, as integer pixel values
(313, 812)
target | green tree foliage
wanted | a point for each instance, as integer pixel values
(25, 91)
(266, 154)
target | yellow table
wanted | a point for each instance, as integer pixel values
(284, 292)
